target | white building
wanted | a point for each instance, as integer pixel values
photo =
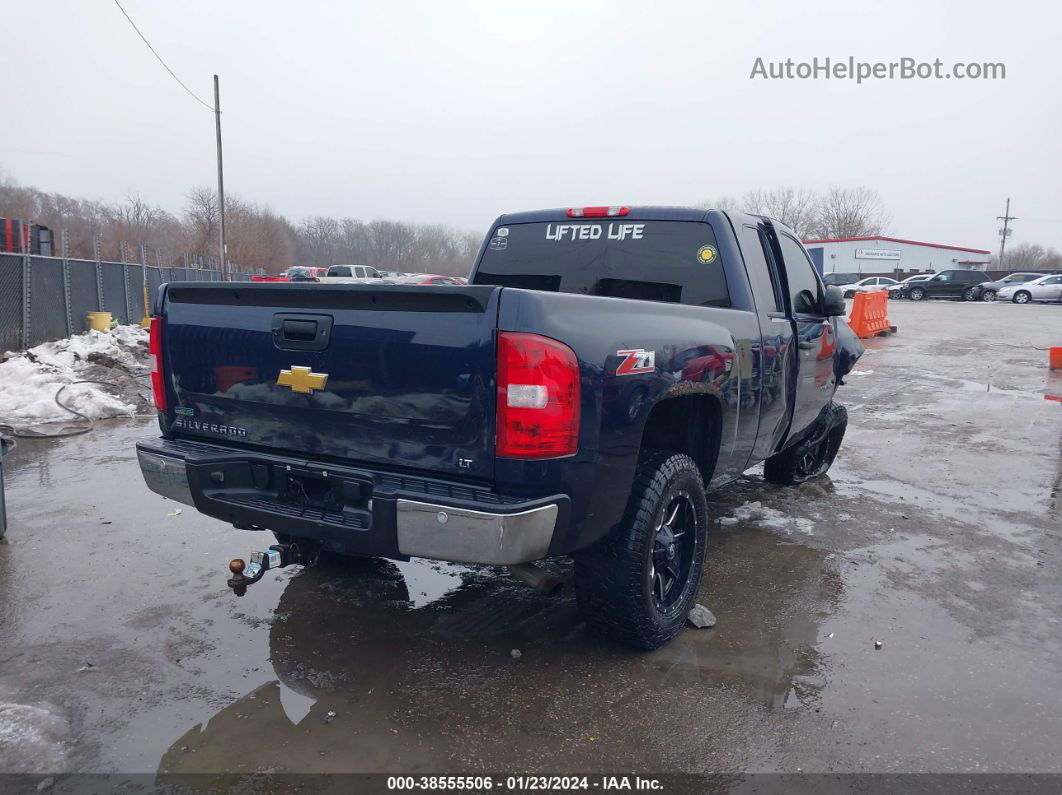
(878, 255)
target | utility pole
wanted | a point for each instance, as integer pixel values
(223, 263)
(1006, 218)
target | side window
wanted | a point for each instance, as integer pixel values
(360, 272)
(804, 287)
(761, 274)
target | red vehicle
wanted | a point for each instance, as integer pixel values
(17, 237)
(296, 273)
(430, 278)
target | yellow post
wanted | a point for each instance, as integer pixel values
(99, 321)
(146, 322)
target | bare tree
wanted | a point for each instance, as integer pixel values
(797, 208)
(1032, 257)
(320, 241)
(723, 203)
(850, 212)
(201, 218)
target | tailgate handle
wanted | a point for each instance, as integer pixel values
(304, 330)
(299, 332)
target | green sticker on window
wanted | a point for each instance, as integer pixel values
(706, 254)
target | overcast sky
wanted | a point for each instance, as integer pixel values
(456, 112)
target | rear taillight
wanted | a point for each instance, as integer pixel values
(538, 397)
(597, 212)
(158, 385)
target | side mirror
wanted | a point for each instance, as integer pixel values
(834, 305)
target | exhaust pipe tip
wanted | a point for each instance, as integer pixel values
(536, 577)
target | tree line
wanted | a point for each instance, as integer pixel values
(836, 212)
(259, 238)
(256, 236)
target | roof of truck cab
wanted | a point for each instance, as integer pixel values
(640, 213)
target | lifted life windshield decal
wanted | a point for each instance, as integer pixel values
(572, 232)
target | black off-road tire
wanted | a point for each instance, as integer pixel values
(614, 579)
(791, 466)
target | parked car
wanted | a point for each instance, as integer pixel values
(429, 278)
(1045, 288)
(547, 409)
(352, 274)
(872, 284)
(896, 291)
(987, 291)
(270, 277)
(957, 284)
(836, 279)
(302, 273)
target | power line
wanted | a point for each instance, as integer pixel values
(174, 76)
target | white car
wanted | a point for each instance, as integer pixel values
(871, 284)
(894, 291)
(1046, 288)
(353, 274)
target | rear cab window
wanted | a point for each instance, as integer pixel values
(673, 261)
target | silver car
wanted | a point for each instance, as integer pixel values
(1046, 288)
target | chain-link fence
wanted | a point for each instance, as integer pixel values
(47, 298)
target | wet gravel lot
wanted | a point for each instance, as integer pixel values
(937, 534)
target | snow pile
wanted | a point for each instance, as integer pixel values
(771, 518)
(30, 380)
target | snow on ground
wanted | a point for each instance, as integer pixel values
(771, 518)
(30, 380)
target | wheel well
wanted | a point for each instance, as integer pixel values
(688, 424)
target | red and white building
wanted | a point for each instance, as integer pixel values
(879, 254)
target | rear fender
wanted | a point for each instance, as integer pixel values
(633, 355)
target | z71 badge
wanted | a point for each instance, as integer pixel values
(636, 361)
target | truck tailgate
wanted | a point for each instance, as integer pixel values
(400, 376)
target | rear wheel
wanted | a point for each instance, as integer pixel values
(637, 584)
(970, 294)
(918, 293)
(988, 296)
(813, 457)
(1022, 297)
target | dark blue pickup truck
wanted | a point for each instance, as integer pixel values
(603, 367)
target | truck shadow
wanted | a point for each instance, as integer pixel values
(367, 682)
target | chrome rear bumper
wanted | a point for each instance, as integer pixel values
(414, 528)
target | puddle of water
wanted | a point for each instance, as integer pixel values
(429, 581)
(296, 705)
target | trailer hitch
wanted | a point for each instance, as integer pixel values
(276, 557)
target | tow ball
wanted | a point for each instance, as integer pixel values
(276, 557)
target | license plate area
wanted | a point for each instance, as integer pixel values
(321, 489)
